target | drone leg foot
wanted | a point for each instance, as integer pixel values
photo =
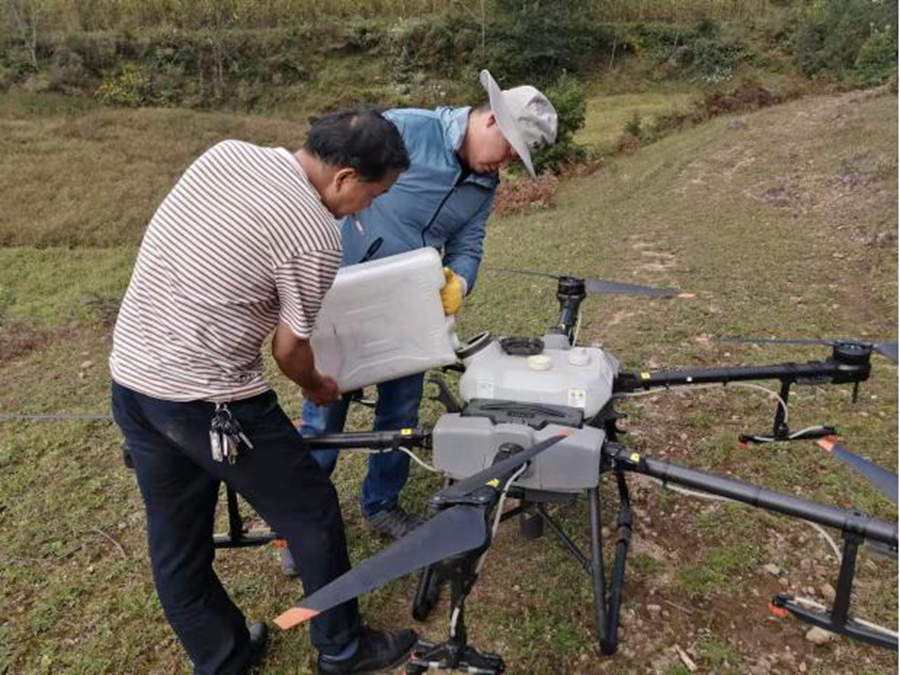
(453, 656)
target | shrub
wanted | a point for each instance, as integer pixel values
(700, 53)
(709, 59)
(529, 41)
(746, 96)
(568, 97)
(829, 34)
(877, 58)
(365, 35)
(130, 86)
(525, 194)
(628, 143)
(437, 45)
(67, 73)
(633, 135)
(633, 125)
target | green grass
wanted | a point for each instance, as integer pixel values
(116, 166)
(607, 114)
(37, 283)
(747, 218)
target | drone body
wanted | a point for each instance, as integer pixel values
(520, 392)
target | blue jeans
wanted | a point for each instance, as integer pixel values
(179, 481)
(397, 407)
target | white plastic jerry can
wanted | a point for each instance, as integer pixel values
(383, 319)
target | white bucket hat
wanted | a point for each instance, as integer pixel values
(525, 117)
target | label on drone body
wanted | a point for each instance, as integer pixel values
(577, 398)
(485, 389)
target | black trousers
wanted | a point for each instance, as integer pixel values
(179, 481)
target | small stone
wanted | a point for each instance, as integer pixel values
(654, 610)
(86, 364)
(819, 636)
(772, 569)
(883, 238)
(827, 591)
(802, 667)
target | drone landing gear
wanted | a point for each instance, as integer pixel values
(468, 660)
(454, 654)
(237, 536)
(835, 618)
(781, 431)
(607, 597)
(607, 602)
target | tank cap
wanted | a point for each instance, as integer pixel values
(522, 346)
(540, 362)
(579, 356)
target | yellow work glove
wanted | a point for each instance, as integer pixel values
(453, 293)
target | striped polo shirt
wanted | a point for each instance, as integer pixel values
(240, 244)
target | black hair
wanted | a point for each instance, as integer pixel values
(361, 139)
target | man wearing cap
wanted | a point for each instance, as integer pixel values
(442, 201)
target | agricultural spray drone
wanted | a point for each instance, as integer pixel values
(538, 423)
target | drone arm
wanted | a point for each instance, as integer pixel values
(833, 370)
(854, 526)
(418, 437)
(846, 521)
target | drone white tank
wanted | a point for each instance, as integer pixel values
(580, 378)
(383, 319)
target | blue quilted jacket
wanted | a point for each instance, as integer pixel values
(434, 203)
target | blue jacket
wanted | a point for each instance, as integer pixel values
(432, 203)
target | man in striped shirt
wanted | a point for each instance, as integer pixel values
(244, 244)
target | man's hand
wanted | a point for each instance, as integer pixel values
(453, 293)
(295, 358)
(324, 394)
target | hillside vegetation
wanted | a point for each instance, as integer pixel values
(284, 54)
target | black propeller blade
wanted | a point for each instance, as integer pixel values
(600, 286)
(888, 349)
(452, 532)
(881, 478)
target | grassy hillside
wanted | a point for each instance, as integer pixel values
(782, 222)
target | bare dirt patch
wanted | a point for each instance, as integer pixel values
(18, 338)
